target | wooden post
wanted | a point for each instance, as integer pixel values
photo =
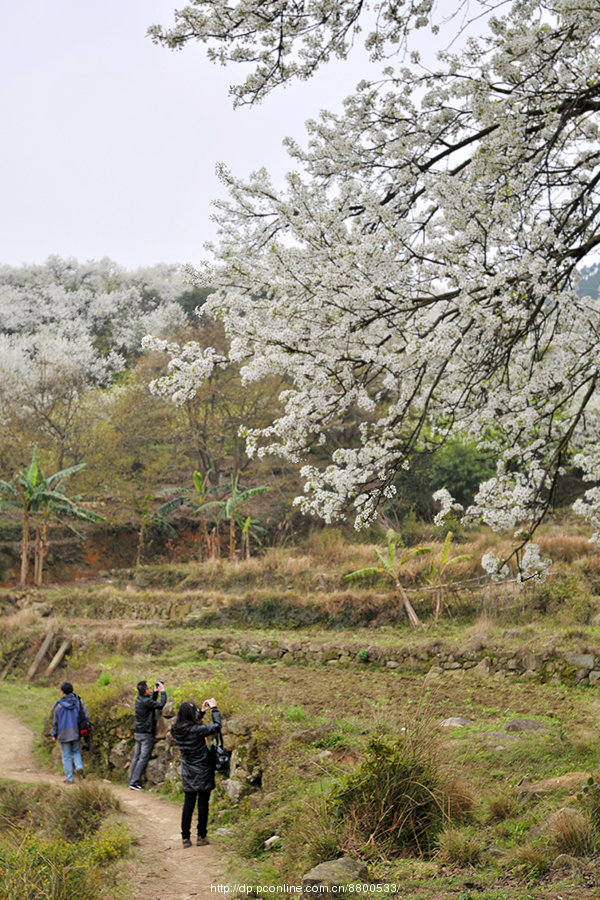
(46, 643)
(58, 656)
(8, 665)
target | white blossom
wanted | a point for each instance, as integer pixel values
(532, 567)
(419, 265)
(448, 505)
(494, 567)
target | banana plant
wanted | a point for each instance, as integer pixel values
(41, 499)
(233, 509)
(437, 573)
(390, 565)
(157, 517)
(250, 529)
(200, 505)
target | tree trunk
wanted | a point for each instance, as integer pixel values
(41, 549)
(410, 612)
(204, 551)
(232, 538)
(24, 551)
(140, 545)
(37, 558)
(216, 543)
(439, 601)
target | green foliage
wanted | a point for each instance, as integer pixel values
(41, 499)
(459, 847)
(589, 799)
(56, 844)
(438, 571)
(112, 842)
(296, 713)
(398, 799)
(389, 567)
(80, 812)
(459, 467)
(32, 867)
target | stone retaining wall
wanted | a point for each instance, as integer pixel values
(568, 667)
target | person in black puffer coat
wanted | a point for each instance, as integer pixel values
(197, 766)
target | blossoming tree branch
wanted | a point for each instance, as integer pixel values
(419, 267)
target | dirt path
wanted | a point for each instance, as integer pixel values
(166, 870)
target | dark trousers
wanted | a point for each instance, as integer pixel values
(188, 811)
(141, 754)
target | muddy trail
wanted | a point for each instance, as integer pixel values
(165, 871)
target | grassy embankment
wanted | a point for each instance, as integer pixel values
(488, 834)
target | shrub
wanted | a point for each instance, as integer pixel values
(502, 805)
(112, 842)
(31, 867)
(80, 811)
(571, 833)
(529, 860)
(590, 802)
(314, 830)
(15, 804)
(459, 847)
(399, 798)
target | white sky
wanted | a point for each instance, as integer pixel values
(109, 142)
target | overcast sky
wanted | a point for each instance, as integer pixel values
(109, 142)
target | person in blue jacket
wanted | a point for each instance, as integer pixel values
(65, 730)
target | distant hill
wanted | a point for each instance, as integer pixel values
(589, 285)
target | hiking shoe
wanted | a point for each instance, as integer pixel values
(80, 774)
(201, 841)
(186, 843)
(135, 787)
(69, 782)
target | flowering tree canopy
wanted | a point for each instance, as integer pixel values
(420, 263)
(66, 326)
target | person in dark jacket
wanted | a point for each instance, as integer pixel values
(146, 703)
(65, 730)
(197, 766)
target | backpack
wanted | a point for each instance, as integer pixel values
(85, 727)
(221, 757)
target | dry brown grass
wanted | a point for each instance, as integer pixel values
(567, 548)
(20, 619)
(570, 832)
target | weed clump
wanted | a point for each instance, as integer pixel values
(398, 799)
(459, 847)
(58, 845)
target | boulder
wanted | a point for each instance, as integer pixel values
(156, 771)
(234, 789)
(525, 725)
(547, 826)
(570, 782)
(456, 722)
(168, 710)
(564, 861)
(580, 660)
(119, 756)
(329, 875)
(482, 667)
